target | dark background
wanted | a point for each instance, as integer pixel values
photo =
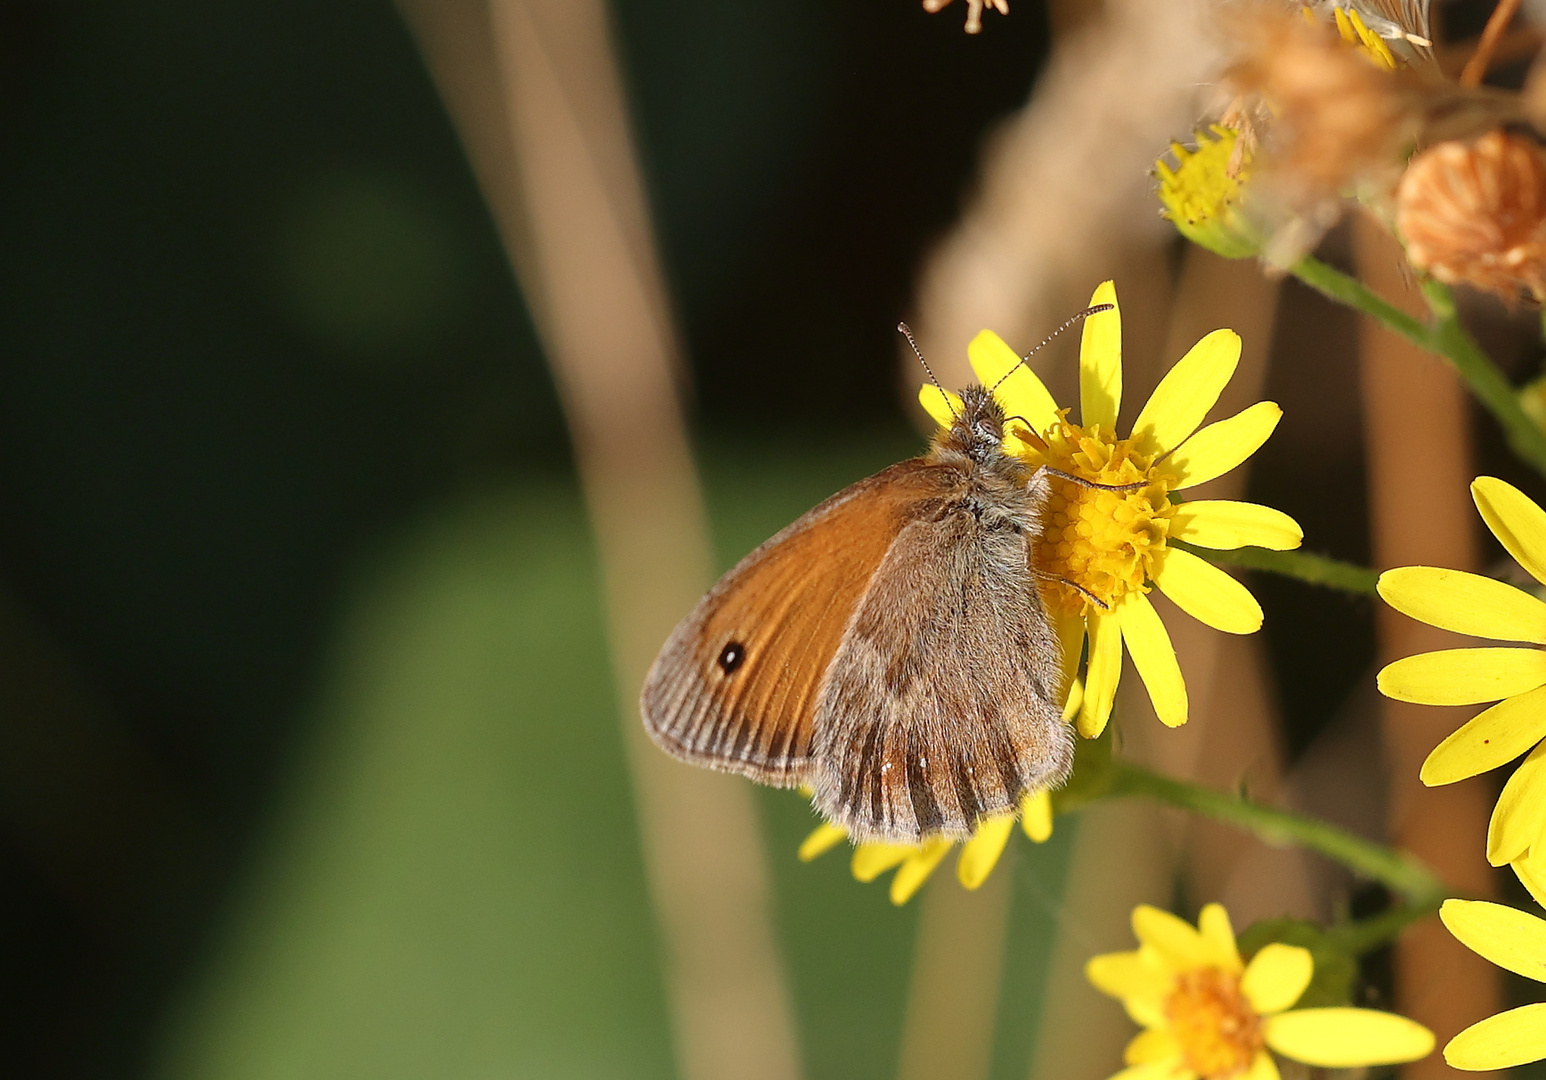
(256, 328)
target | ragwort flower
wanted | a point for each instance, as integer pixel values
(1206, 1014)
(1514, 677)
(1104, 548)
(1513, 940)
(914, 863)
(1203, 193)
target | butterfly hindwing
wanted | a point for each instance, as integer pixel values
(942, 706)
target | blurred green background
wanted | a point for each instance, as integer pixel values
(309, 764)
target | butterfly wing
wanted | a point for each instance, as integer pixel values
(943, 703)
(735, 687)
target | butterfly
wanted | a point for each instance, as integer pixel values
(890, 650)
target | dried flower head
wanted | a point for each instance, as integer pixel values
(973, 11)
(1336, 113)
(1474, 213)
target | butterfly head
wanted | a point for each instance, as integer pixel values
(978, 431)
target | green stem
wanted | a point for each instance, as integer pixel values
(1348, 290)
(1396, 870)
(1446, 337)
(1359, 936)
(1487, 383)
(1301, 565)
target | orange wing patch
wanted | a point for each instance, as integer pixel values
(736, 685)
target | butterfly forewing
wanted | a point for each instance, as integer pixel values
(736, 685)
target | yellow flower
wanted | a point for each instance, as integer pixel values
(1208, 1015)
(1108, 547)
(1514, 677)
(915, 862)
(1202, 194)
(1513, 940)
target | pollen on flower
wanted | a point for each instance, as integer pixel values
(1102, 541)
(1219, 1032)
(1202, 194)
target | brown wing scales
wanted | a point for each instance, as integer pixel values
(735, 687)
(942, 704)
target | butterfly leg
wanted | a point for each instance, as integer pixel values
(1082, 482)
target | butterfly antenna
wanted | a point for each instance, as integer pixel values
(1079, 318)
(908, 333)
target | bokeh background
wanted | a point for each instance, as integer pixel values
(311, 761)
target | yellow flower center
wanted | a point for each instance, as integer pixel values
(1202, 194)
(1102, 541)
(1220, 1034)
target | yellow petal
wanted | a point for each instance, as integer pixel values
(872, 860)
(1101, 674)
(1134, 974)
(1500, 1042)
(1518, 523)
(1464, 676)
(1465, 603)
(1347, 1038)
(1154, 657)
(1488, 739)
(1176, 941)
(1100, 362)
(1164, 1069)
(1036, 815)
(1214, 926)
(1074, 702)
(822, 839)
(1070, 631)
(1276, 977)
(980, 854)
(1511, 939)
(1206, 593)
(916, 870)
(941, 404)
(1153, 1045)
(1520, 813)
(1021, 394)
(1186, 393)
(1224, 524)
(1262, 1068)
(1219, 447)
(1147, 1012)
(1531, 872)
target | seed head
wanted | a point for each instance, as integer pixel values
(1473, 212)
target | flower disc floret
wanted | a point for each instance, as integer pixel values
(1219, 1032)
(1103, 541)
(1202, 194)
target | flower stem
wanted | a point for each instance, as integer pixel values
(1302, 565)
(1359, 936)
(1396, 870)
(1348, 290)
(1446, 337)
(1487, 383)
